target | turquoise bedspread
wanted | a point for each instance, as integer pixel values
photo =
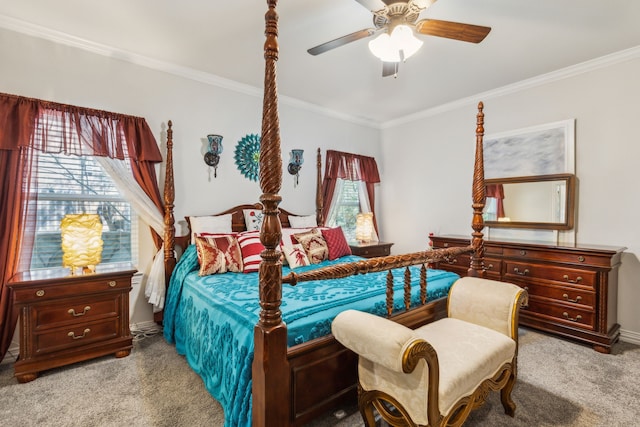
(210, 319)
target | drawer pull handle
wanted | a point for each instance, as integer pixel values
(573, 319)
(521, 273)
(523, 253)
(489, 267)
(40, 293)
(566, 297)
(84, 311)
(581, 258)
(578, 279)
(112, 283)
(84, 333)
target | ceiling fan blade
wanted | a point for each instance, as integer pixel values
(372, 5)
(341, 41)
(452, 30)
(390, 68)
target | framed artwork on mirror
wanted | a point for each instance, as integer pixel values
(538, 150)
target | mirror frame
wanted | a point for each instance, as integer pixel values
(568, 222)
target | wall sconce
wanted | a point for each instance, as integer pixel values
(295, 164)
(81, 242)
(364, 227)
(212, 156)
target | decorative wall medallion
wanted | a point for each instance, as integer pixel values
(247, 156)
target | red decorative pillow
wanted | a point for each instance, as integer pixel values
(314, 245)
(336, 242)
(251, 246)
(218, 254)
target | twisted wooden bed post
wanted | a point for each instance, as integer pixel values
(270, 370)
(476, 269)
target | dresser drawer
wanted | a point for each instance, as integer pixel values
(574, 277)
(80, 310)
(559, 256)
(461, 262)
(568, 315)
(76, 335)
(580, 298)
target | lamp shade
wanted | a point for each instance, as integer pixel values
(364, 227)
(81, 241)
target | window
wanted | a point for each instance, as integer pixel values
(78, 184)
(350, 198)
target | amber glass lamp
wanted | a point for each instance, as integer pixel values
(81, 242)
(364, 227)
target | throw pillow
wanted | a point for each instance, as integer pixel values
(314, 245)
(251, 246)
(253, 219)
(228, 247)
(302, 221)
(336, 242)
(211, 259)
(295, 255)
(208, 224)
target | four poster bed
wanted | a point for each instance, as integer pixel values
(261, 341)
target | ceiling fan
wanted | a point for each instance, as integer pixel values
(395, 22)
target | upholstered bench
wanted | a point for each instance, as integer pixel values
(435, 375)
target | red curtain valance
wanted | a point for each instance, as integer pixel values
(352, 167)
(60, 128)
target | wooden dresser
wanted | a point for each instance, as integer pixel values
(66, 319)
(573, 290)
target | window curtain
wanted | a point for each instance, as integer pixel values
(496, 191)
(27, 124)
(352, 167)
(148, 211)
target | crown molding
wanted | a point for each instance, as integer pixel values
(30, 29)
(59, 37)
(563, 73)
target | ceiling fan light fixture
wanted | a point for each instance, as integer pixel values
(383, 48)
(404, 39)
(397, 47)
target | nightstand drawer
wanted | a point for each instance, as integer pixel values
(76, 311)
(34, 293)
(76, 336)
(371, 250)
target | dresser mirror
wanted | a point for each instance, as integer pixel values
(536, 202)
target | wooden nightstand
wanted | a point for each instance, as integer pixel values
(66, 319)
(371, 250)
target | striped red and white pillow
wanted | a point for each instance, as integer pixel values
(251, 246)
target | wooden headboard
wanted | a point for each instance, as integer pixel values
(237, 215)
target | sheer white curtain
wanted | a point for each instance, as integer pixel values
(148, 211)
(365, 205)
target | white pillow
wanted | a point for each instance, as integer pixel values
(295, 255)
(302, 221)
(209, 224)
(253, 219)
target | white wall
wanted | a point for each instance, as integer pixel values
(432, 183)
(42, 69)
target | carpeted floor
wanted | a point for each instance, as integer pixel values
(560, 383)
